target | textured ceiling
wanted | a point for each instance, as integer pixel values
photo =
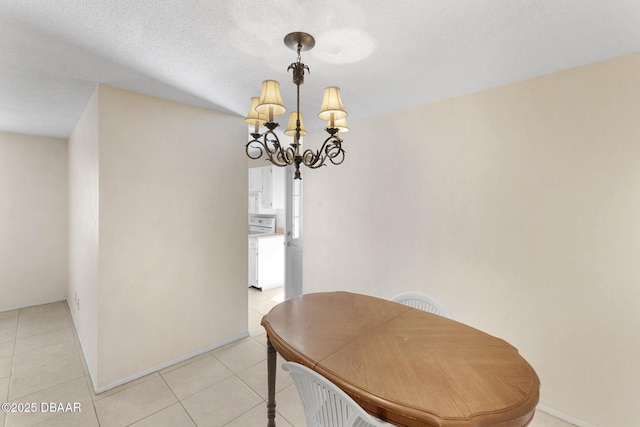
(385, 55)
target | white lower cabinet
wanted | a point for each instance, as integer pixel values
(253, 262)
(266, 261)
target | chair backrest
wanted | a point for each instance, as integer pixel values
(326, 405)
(423, 302)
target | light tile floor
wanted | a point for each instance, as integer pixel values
(41, 363)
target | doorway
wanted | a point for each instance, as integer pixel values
(289, 222)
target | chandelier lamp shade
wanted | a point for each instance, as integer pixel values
(265, 108)
(293, 124)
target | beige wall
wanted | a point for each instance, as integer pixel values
(33, 220)
(171, 256)
(519, 208)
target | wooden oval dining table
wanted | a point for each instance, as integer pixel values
(405, 366)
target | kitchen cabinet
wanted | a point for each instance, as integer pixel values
(268, 183)
(255, 179)
(266, 261)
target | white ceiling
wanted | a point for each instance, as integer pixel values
(385, 55)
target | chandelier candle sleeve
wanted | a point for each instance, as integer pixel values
(341, 125)
(269, 104)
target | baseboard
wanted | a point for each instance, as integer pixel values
(157, 368)
(564, 417)
(18, 307)
(82, 350)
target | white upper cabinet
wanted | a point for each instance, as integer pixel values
(255, 180)
(269, 182)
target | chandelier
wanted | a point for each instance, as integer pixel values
(264, 108)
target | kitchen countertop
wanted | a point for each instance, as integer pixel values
(266, 236)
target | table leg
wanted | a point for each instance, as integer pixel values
(271, 384)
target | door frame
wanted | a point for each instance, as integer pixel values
(293, 235)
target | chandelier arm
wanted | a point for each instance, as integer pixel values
(286, 156)
(331, 150)
(258, 147)
(268, 144)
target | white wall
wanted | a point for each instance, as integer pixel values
(33, 220)
(519, 208)
(172, 252)
(82, 293)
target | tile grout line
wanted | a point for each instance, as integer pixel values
(177, 400)
(244, 413)
(13, 355)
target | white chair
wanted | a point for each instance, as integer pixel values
(423, 302)
(326, 405)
